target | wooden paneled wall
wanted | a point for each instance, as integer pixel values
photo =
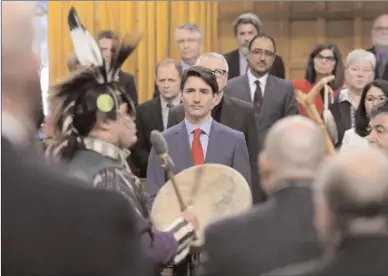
(298, 26)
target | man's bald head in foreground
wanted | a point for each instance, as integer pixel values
(20, 65)
(351, 195)
(294, 148)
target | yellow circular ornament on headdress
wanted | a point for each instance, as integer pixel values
(105, 103)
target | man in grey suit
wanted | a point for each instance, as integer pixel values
(280, 231)
(199, 139)
(273, 98)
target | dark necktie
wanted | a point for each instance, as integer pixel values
(257, 99)
(170, 105)
(196, 148)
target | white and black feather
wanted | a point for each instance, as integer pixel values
(85, 46)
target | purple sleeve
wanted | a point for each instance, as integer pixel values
(164, 247)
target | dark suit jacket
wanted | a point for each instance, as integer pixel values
(52, 225)
(358, 256)
(128, 82)
(238, 115)
(148, 118)
(271, 235)
(384, 76)
(278, 101)
(342, 117)
(233, 59)
(226, 146)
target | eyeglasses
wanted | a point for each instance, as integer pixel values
(376, 100)
(219, 72)
(325, 58)
(380, 29)
(261, 52)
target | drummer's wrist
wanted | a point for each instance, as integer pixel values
(181, 229)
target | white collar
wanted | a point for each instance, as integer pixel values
(175, 102)
(252, 78)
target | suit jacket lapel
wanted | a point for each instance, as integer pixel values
(235, 61)
(227, 114)
(182, 143)
(212, 146)
(246, 93)
(269, 90)
(157, 115)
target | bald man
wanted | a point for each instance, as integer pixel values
(51, 225)
(380, 46)
(351, 202)
(280, 231)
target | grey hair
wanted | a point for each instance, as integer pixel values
(348, 184)
(190, 27)
(247, 18)
(216, 56)
(294, 147)
(361, 55)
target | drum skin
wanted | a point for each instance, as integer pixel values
(214, 192)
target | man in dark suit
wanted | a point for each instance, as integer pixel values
(153, 114)
(232, 112)
(380, 46)
(52, 225)
(245, 27)
(273, 98)
(280, 231)
(106, 39)
(351, 215)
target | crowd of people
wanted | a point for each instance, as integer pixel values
(79, 203)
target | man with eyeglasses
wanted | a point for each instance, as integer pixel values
(188, 39)
(273, 98)
(380, 46)
(232, 112)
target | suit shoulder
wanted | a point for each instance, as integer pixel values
(147, 104)
(282, 81)
(236, 80)
(230, 54)
(240, 221)
(127, 75)
(230, 131)
(171, 130)
(301, 269)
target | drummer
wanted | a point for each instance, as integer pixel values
(93, 125)
(199, 139)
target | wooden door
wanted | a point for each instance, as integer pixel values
(298, 26)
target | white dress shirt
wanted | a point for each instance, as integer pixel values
(353, 141)
(243, 62)
(252, 85)
(165, 110)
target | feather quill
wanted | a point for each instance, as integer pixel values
(125, 48)
(85, 46)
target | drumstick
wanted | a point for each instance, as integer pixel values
(160, 146)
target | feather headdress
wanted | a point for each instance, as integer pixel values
(92, 88)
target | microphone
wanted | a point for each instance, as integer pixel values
(161, 149)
